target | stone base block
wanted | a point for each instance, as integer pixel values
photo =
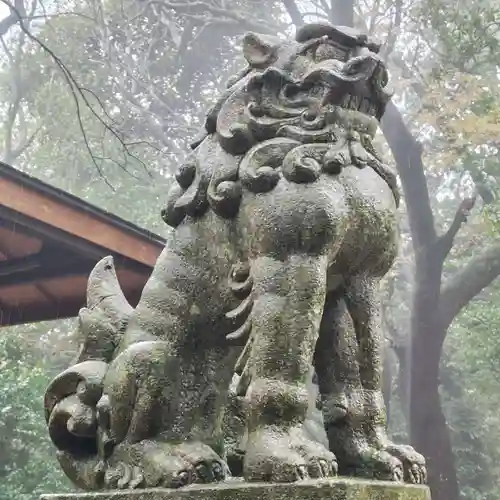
(334, 489)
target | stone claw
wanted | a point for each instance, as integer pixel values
(209, 472)
(124, 481)
(388, 468)
(152, 464)
(286, 455)
(183, 478)
(302, 472)
(328, 469)
(383, 466)
(207, 466)
(137, 479)
(123, 476)
(416, 474)
(374, 464)
(415, 471)
(218, 472)
(322, 468)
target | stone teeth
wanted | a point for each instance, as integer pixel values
(345, 101)
(354, 104)
(366, 106)
(358, 103)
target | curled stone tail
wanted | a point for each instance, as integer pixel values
(74, 398)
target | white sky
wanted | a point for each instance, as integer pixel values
(4, 10)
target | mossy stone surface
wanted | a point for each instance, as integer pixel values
(284, 222)
(331, 489)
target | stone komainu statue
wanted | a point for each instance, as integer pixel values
(285, 221)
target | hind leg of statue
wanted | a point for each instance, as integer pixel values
(347, 407)
(164, 399)
(348, 365)
(288, 302)
(363, 302)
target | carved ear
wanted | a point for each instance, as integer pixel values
(258, 50)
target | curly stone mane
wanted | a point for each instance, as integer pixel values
(299, 109)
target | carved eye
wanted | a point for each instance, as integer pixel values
(355, 65)
(290, 90)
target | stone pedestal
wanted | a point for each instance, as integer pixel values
(334, 489)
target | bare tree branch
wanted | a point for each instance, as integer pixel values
(78, 92)
(445, 242)
(394, 30)
(15, 117)
(205, 11)
(17, 11)
(294, 12)
(460, 289)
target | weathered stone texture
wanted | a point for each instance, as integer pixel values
(285, 220)
(333, 489)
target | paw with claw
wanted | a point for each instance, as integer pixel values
(371, 463)
(151, 464)
(205, 465)
(359, 457)
(415, 471)
(284, 454)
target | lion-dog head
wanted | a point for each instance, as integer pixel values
(300, 108)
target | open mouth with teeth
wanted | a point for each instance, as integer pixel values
(358, 86)
(347, 66)
(351, 79)
(328, 81)
(357, 103)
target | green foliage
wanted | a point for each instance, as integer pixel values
(28, 466)
(470, 382)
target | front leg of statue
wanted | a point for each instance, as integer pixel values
(288, 303)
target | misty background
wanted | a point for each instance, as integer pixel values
(102, 97)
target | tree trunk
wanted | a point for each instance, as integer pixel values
(429, 431)
(430, 435)
(342, 12)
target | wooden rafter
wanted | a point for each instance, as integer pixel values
(49, 243)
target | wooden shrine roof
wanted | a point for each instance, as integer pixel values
(49, 243)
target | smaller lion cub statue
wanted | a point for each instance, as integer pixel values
(285, 220)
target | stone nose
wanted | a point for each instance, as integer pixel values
(333, 72)
(326, 71)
